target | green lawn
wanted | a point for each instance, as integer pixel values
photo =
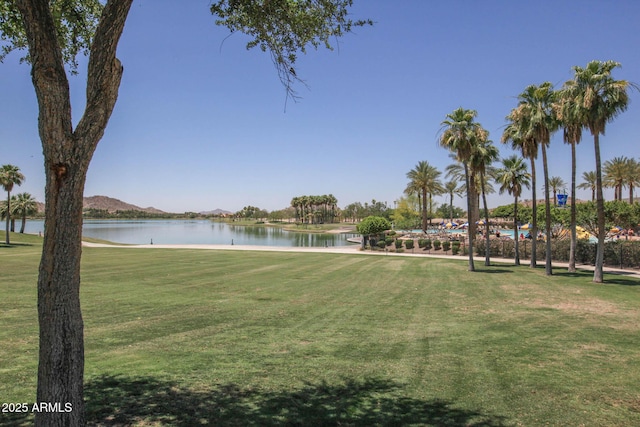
(181, 337)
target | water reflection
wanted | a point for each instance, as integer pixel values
(198, 232)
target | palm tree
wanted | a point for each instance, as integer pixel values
(615, 175)
(572, 135)
(512, 176)
(24, 204)
(423, 179)
(536, 108)
(632, 177)
(9, 176)
(590, 183)
(517, 133)
(556, 184)
(599, 98)
(451, 188)
(458, 135)
(483, 155)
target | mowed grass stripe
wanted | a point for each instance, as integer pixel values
(503, 345)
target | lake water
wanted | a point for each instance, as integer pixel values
(197, 232)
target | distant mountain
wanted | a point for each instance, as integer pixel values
(110, 204)
(215, 212)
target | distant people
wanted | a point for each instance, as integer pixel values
(498, 233)
(521, 236)
(152, 241)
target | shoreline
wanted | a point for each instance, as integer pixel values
(355, 249)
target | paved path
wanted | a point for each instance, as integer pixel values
(355, 249)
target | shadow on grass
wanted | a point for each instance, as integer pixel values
(610, 277)
(122, 401)
(493, 269)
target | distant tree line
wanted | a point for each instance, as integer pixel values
(315, 209)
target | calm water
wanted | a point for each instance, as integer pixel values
(197, 232)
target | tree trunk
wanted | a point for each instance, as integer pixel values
(471, 228)
(534, 220)
(24, 222)
(574, 237)
(61, 356)
(598, 273)
(487, 256)
(424, 210)
(547, 218)
(515, 231)
(8, 229)
(67, 154)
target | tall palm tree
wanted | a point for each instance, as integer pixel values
(556, 184)
(483, 155)
(518, 134)
(24, 204)
(536, 107)
(599, 98)
(572, 135)
(512, 176)
(589, 183)
(423, 179)
(9, 176)
(451, 188)
(458, 135)
(615, 175)
(632, 177)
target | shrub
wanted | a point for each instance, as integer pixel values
(388, 241)
(408, 244)
(422, 243)
(382, 244)
(446, 245)
(391, 233)
(427, 245)
(455, 247)
(398, 244)
(436, 245)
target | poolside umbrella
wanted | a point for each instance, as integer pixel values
(465, 225)
(615, 229)
(526, 226)
(451, 225)
(481, 222)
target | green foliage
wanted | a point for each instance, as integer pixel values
(75, 20)
(446, 245)
(437, 245)
(285, 27)
(409, 244)
(382, 244)
(373, 225)
(398, 243)
(427, 244)
(389, 241)
(445, 212)
(455, 247)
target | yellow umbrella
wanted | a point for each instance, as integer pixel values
(525, 227)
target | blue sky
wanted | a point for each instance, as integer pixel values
(201, 124)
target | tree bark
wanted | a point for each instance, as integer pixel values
(515, 231)
(598, 273)
(471, 229)
(534, 219)
(547, 217)
(67, 155)
(574, 237)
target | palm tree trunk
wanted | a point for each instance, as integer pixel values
(7, 240)
(487, 256)
(515, 231)
(598, 273)
(424, 210)
(574, 237)
(24, 222)
(534, 220)
(547, 205)
(471, 229)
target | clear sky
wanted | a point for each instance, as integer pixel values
(200, 122)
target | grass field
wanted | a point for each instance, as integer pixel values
(185, 337)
